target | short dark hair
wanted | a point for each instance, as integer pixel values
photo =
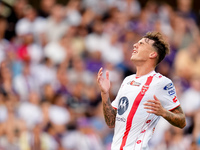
(161, 46)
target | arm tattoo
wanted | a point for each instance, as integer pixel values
(176, 117)
(109, 113)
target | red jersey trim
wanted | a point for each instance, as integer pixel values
(133, 110)
(174, 107)
(114, 107)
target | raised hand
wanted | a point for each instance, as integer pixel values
(176, 116)
(154, 106)
(108, 111)
(104, 83)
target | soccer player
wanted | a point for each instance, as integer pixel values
(143, 97)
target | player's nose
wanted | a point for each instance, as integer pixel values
(135, 45)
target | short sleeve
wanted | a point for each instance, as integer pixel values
(166, 93)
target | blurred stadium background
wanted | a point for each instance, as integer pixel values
(51, 50)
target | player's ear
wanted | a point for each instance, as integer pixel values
(153, 54)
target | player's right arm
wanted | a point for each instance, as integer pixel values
(108, 110)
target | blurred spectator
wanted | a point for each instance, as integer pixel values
(55, 23)
(77, 102)
(12, 127)
(45, 7)
(130, 7)
(142, 24)
(48, 93)
(96, 39)
(184, 32)
(192, 106)
(98, 6)
(178, 140)
(79, 41)
(165, 13)
(88, 17)
(184, 8)
(78, 72)
(97, 123)
(84, 138)
(59, 117)
(115, 79)
(94, 61)
(186, 58)
(25, 83)
(6, 79)
(30, 23)
(26, 110)
(59, 109)
(73, 15)
(57, 51)
(29, 51)
(112, 50)
(44, 72)
(164, 144)
(174, 139)
(38, 139)
(4, 44)
(17, 12)
(62, 85)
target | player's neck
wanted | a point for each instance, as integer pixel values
(143, 70)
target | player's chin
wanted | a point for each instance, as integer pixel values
(133, 59)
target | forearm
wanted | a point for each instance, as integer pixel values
(108, 110)
(176, 119)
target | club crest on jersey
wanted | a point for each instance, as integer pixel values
(168, 86)
(144, 89)
(133, 83)
(123, 105)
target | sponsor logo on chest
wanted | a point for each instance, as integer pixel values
(134, 83)
(123, 105)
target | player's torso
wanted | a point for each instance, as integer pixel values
(133, 124)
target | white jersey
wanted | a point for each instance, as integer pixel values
(134, 126)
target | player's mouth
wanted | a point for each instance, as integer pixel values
(134, 52)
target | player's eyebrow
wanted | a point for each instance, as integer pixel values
(147, 40)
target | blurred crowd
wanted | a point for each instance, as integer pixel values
(50, 56)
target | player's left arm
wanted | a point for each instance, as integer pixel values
(175, 117)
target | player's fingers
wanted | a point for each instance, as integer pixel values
(152, 101)
(151, 106)
(99, 75)
(100, 70)
(151, 111)
(148, 104)
(154, 96)
(107, 75)
(148, 107)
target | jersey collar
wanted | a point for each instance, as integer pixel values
(148, 74)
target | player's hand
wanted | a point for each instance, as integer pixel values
(154, 107)
(104, 83)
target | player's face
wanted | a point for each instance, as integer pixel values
(142, 50)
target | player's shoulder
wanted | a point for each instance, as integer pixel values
(163, 80)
